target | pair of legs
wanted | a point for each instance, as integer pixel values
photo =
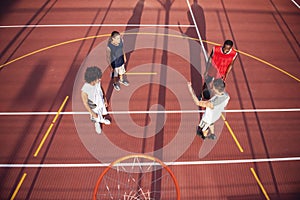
(119, 77)
(207, 130)
(101, 112)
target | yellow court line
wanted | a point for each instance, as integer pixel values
(157, 34)
(60, 109)
(141, 73)
(52, 46)
(269, 64)
(18, 187)
(232, 134)
(262, 61)
(149, 33)
(259, 183)
(50, 127)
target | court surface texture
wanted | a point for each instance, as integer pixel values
(49, 147)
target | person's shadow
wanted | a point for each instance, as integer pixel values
(195, 48)
(130, 39)
(196, 51)
(200, 22)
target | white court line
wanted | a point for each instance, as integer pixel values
(296, 3)
(197, 30)
(94, 25)
(211, 162)
(154, 112)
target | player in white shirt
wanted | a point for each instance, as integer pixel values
(214, 107)
(93, 97)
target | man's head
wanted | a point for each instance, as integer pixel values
(218, 86)
(228, 44)
(92, 75)
(115, 37)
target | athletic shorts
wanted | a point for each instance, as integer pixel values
(119, 71)
(204, 125)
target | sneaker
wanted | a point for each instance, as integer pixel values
(116, 86)
(124, 82)
(199, 132)
(106, 122)
(98, 128)
(212, 136)
(93, 119)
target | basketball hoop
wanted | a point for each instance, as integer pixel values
(136, 196)
(137, 177)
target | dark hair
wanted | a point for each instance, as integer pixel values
(112, 35)
(92, 73)
(219, 84)
(228, 42)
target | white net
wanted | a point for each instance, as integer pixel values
(137, 178)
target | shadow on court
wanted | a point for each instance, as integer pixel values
(129, 40)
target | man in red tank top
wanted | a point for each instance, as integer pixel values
(219, 64)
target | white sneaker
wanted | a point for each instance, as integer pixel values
(98, 127)
(92, 119)
(116, 86)
(106, 122)
(124, 82)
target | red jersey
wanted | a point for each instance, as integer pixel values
(221, 61)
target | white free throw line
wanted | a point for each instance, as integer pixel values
(93, 25)
(155, 112)
(211, 162)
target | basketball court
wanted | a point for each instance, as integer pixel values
(49, 147)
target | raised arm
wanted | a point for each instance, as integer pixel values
(197, 102)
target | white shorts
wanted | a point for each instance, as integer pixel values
(204, 125)
(119, 71)
(100, 112)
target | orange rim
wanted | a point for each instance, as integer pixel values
(139, 156)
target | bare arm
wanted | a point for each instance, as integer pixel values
(227, 72)
(208, 64)
(124, 55)
(197, 102)
(84, 98)
(108, 51)
(104, 97)
(229, 68)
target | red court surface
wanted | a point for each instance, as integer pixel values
(45, 46)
